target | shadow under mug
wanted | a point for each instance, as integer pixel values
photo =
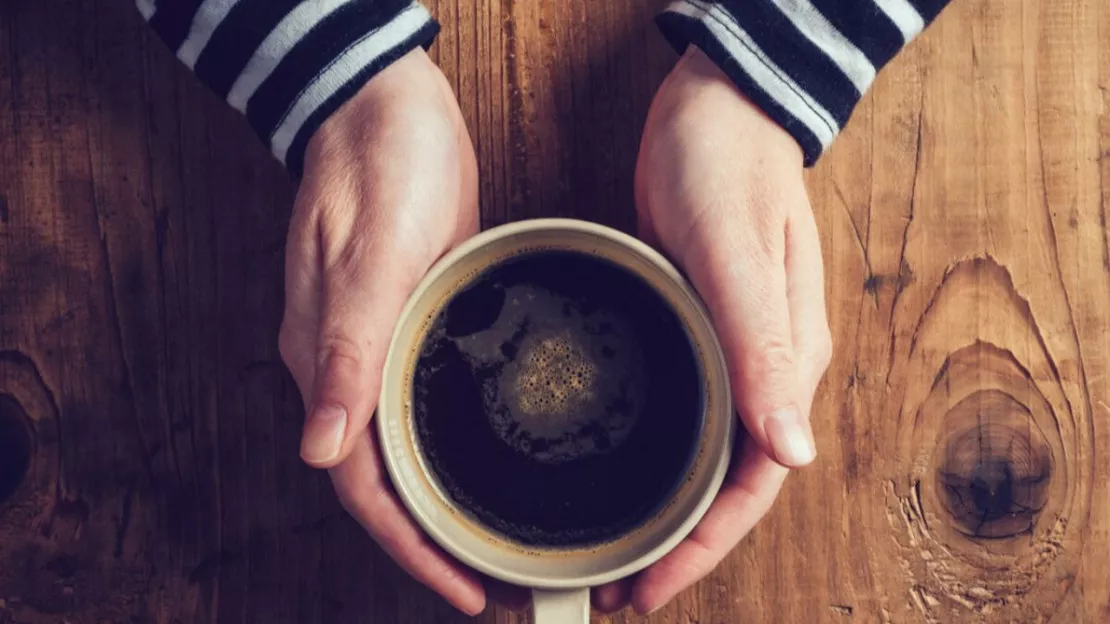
(560, 577)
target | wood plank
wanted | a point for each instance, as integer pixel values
(152, 431)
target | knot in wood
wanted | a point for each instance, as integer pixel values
(994, 468)
(16, 444)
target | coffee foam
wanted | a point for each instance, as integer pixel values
(571, 386)
(554, 378)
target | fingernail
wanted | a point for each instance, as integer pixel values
(790, 438)
(323, 434)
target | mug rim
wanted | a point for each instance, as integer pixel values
(711, 360)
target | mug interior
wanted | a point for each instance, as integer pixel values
(457, 531)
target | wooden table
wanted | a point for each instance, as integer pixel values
(964, 222)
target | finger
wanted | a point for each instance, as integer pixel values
(297, 338)
(612, 597)
(645, 228)
(297, 344)
(469, 211)
(645, 225)
(753, 482)
(362, 486)
(362, 297)
(740, 270)
(806, 295)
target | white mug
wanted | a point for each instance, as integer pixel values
(560, 577)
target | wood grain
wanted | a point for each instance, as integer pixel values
(149, 431)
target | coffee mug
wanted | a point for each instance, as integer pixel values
(560, 576)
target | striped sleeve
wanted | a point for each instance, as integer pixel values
(806, 63)
(288, 64)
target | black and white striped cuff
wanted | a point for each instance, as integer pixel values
(805, 67)
(289, 64)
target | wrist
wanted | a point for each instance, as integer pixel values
(700, 83)
(406, 86)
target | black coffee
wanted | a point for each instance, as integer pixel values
(557, 399)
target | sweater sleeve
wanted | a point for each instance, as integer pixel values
(806, 63)
(288, 64)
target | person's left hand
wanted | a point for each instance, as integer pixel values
(719, 188)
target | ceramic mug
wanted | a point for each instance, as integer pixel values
(560, 577)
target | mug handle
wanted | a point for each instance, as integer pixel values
(567, 606)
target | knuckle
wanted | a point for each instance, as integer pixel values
(339, 350)
(775, 358)
(769, 367)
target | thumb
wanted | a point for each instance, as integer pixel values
(741, 274)
(361, 304)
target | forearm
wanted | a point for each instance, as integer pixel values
(288, 64)
(806, 63)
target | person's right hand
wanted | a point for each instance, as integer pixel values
(390, 185)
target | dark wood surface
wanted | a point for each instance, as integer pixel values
(148, 431)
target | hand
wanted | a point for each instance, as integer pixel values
(719, 187)
(390, 185)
